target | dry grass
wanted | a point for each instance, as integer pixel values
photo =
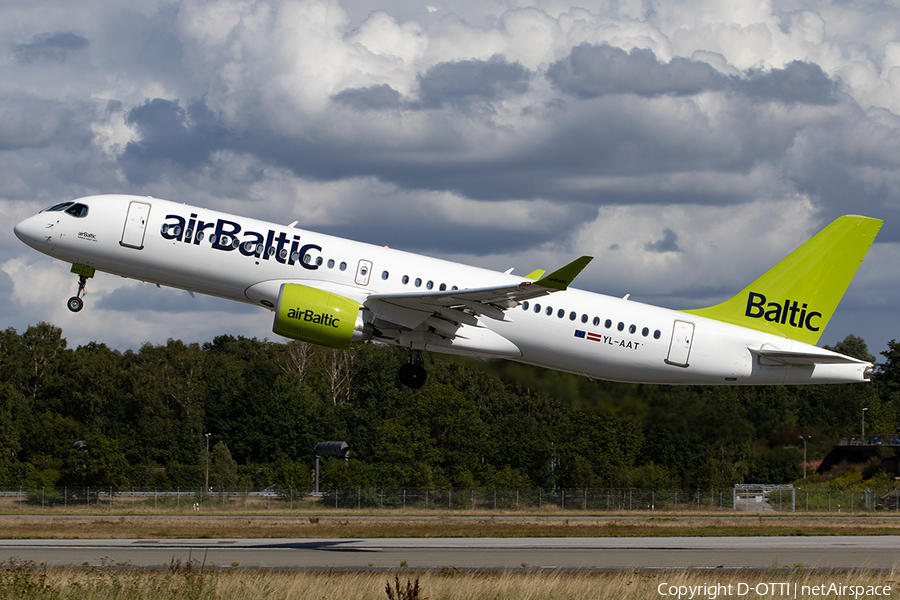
(146, 527)
(108, 583)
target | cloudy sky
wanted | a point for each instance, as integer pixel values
(688, 144)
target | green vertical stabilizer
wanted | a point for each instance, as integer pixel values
(797, 297)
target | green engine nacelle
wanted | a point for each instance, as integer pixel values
(316, 316)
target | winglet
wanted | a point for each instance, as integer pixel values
(797, 297)
(561, 278)
(536, 274)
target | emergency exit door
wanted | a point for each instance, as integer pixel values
(680, 346)
(135, 225)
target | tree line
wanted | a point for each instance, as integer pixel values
(95, 416)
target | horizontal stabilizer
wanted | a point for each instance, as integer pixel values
(805, 358)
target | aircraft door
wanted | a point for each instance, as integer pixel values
(135, 225)
(363, 272)
(680, 347)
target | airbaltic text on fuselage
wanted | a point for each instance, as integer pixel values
(785, 313)
(224, 236)
(310, 316)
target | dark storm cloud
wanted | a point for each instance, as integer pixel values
(376, 97)
(668, 243)
(458, 84)
(170, 136)
(798, 82)
(591, 71)
(465, 82)
(49, 47)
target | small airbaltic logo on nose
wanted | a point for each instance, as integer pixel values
(310, 316)
(790, 312)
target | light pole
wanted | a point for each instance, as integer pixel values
(804, 455)
(206, 486)
(864, 425)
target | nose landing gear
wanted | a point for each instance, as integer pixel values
(75, 303)
(413, 374)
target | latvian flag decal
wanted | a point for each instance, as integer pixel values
(594, 337)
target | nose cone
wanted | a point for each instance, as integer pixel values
(32, 230)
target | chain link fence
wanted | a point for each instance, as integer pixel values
(779, 499)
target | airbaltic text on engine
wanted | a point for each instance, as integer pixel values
(310, 316)
(775, 312)
(225, 237)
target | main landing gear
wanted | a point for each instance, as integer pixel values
(413, 374)
(75, 303)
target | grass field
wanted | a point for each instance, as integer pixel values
(23, 580)
(389, 525)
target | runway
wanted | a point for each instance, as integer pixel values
(824, 552)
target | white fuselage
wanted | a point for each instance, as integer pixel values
(573, 330)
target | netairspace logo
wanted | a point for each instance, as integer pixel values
(773, 590)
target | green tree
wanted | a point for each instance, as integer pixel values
(97, 462)
(853, 346)
(223, 471)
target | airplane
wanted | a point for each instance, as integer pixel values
(331, 291)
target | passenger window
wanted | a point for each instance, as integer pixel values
(656, 334)
(418, 281)
(620, 326)
(572, 316)
(596, 321)
(429, 285)
(525, 305)
(319, 261)
(560, 313)
(632, 328)
(405, 279)
(330, 263)
(645, 331)
(343, 266)
(443, 287)
(454, 288)
(294, 257)
(537, 308)
(384, 274)
(608, 323)
(549, 310)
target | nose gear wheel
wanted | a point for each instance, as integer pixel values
(75, 303)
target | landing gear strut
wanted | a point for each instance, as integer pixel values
(75, 303)
(413, 374)
(84, 272)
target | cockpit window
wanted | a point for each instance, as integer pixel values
(59, 206)
(77, 210)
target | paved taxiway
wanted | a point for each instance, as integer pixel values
(826, 552)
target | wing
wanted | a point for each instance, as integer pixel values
(452, 315)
